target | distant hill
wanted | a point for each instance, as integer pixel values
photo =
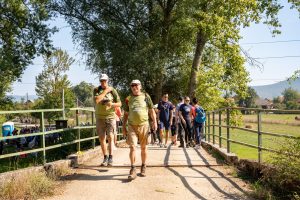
(274, 90)
(19, 97)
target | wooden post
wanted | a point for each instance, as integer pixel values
(208, 127)
(220, 129)
(214, 128)
(228, 129)
(42, 129)
(78, 130)
(94, 130)
(259, 136)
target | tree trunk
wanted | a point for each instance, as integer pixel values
(157, 91)
(196, 63)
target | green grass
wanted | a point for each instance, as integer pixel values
(252, 138)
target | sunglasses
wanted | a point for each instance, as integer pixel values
(187, 100)
(134, 85)
(103, 80)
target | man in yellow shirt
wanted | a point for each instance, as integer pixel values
(106, 99)
(138, 107)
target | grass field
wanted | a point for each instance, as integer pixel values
(282, 127)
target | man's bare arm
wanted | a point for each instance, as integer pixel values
(99, 98)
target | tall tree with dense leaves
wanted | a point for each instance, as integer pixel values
(163, 41)
(84, 93)
(23, 35)
(51, 82)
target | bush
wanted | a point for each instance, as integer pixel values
(284, 179)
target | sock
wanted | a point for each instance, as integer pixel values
(110, 156)
(105, 156)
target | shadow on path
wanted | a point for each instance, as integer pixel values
(208, 178)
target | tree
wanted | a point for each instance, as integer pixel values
(53, 80)
(249, 100)
(290, 94)
(155, 40)
(84, 93)
(23, 35)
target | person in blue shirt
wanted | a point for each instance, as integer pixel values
(186, 117)
(165, 114)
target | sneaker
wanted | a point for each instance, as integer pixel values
(165, 146)
(132, 174)
(172, 143)
(110, 161)
(180, 146)
(161, 145)
(187, 146)
(105, 161)
(143, 170)
(197, 146)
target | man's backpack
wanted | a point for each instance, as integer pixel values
(200, 115)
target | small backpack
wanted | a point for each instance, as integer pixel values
(200, 115)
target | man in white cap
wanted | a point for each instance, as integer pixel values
(106, 99)
(138, 107)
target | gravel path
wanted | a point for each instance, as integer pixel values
(190, 174)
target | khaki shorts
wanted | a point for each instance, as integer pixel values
(105, 127)
(138, 132)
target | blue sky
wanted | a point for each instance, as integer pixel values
(272, 71)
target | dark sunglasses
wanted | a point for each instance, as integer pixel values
(134, 85)
(103, 80)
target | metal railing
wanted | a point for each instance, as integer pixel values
(226, 112)
(43, 133)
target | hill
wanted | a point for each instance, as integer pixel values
(274, 90)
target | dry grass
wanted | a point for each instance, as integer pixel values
(33, 185)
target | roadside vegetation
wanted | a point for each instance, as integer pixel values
(33, 185)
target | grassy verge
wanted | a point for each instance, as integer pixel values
(33, 185)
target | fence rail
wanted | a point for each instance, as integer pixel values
(211, 123)
(43, 133)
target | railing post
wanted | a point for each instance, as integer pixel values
(42, 129)
(78, 130)
(228, 129)
(205, 130)
(208, 127)
(94, 130)
(259, 136)
(214, 128)
(220, 129)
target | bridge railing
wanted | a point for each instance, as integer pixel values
(43, 133)
(217, 130)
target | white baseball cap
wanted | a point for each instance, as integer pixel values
(103, 77)
(135, 82)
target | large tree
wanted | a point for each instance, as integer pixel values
(52, 81)
(84, 93)
(163, 41)
(23, 35)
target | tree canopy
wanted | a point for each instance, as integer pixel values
(23, 35)
(169, 41)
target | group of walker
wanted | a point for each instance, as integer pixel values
(138, 111)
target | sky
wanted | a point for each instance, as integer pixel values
(279, 55)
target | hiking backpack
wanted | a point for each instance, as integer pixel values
(200, 115)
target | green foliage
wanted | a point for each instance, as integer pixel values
(52, 81)
(23, 35)
(285, 180)
(249, 100)
(84, 92)
(290, 95)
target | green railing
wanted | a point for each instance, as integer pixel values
(43, 133)
(223, 115)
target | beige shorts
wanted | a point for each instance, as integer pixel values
(138, 132)
(105, 127)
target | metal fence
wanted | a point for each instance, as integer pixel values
(43, 133)
(224, 113)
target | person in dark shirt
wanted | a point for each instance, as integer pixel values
(185, 114)
(165, 113)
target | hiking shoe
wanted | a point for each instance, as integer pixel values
(132, 174)
(110, 161)
(143, 170)
(105, 162)
(180, 146)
